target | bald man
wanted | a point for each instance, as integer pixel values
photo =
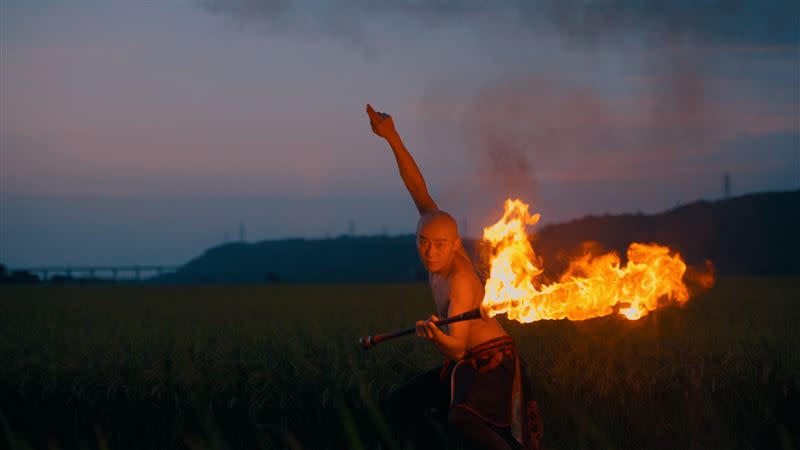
(478, 391)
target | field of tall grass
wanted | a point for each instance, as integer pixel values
(278, 367)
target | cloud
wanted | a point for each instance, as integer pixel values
(520, 124)
(298, 19)
(533, 130)
(706, 23)
(720, 22)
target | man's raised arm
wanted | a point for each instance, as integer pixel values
(383, 126)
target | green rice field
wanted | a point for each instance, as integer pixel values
(277, 366)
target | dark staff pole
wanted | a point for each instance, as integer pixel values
(367, 342)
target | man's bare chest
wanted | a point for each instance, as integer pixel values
(441, 295)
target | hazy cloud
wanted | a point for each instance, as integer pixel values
(545, 139)
(522, 122)
(706, 23)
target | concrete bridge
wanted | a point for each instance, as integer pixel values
(115, 273)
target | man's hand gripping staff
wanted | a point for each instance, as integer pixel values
(427, 329)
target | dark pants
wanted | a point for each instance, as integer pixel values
(421, 414)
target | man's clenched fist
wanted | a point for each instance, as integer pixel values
(382, 123)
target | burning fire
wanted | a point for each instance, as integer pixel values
(593, 286)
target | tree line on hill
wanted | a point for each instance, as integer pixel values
(755, 234)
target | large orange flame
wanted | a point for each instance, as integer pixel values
(593, 286)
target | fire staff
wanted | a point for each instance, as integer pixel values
(480, 390)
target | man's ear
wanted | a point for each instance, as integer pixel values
(457, 243)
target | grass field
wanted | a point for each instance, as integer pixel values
(277, 367)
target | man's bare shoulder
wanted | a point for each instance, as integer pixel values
(465, 279)
(465, 268)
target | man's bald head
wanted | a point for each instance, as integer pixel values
(437, 240)
(440, 222)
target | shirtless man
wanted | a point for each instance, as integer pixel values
(472, 415)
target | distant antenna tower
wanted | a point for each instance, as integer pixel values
(797, 133)
(351, 228)
(726, 184)
(242, 231)
(797, 144)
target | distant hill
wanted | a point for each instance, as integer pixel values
(754, 234)
(344, 259)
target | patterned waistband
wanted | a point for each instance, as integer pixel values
(491, 344)
(485, 346)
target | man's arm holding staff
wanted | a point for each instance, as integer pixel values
(452, 345)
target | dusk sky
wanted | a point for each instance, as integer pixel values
(143, 132)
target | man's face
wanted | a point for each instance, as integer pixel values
(437, 244)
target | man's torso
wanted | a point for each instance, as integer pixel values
(479, 330)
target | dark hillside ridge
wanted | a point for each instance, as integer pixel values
(755, 234)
